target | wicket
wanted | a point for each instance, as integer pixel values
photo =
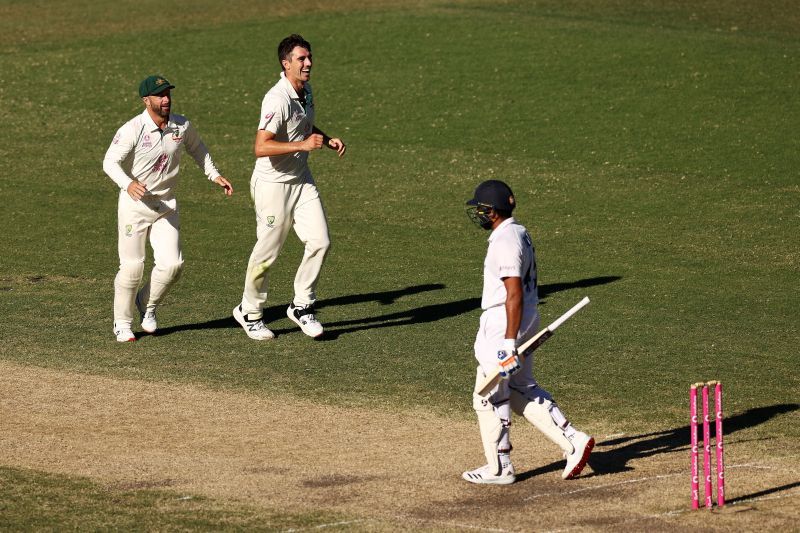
(695, 480)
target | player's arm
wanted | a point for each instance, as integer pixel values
(334, 143)
(197, 149)
(120, 149)
(514, 293)
(507, 357)
(266, 145)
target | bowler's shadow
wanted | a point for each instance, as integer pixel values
(419, 315)
(628, 449)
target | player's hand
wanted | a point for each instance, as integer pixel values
(338, 145)
(312, 142)
(508, 360)
(225, 184)
(136, 190)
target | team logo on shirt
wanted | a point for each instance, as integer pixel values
(128, 230)
(270, 221)
(146, 142)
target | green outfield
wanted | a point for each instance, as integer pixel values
(652, 147)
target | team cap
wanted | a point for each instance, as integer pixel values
(153, 85)
(494, 193)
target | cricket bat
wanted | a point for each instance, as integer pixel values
(526, 348)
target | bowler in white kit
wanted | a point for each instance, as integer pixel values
(510, 317)
(143, 160)
(285, 194)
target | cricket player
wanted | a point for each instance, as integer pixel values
(510, 317)
(285, 194)
(144, 160)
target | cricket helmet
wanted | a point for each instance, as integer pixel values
(490, 195)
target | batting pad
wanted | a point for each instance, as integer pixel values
(543, 414)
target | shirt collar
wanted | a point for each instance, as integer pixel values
(506, 222)
(289, 86)
(150, 123)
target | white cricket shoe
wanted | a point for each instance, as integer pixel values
(255, 329)
(124, 333)
(484, 475)
(304, 317)
(148, 316)
(582, 445)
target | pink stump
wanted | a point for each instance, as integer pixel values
(706, 448)
(693, 440)
(720, 459)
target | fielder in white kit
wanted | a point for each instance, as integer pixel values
(510, 317)
(285, 194)
(143, 160)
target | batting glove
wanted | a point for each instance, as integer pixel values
(508, 359)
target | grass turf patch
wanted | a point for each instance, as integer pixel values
(33, 500)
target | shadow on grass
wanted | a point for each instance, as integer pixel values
(420, 315)
(762, 493)
(630, 448)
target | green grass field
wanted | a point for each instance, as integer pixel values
(652, 148)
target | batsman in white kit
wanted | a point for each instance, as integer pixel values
(510, 316)
(143, 160)
(285, 194)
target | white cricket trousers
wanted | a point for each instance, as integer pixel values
(159, 220)
(279, 208)
(488, 342)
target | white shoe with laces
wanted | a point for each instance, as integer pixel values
(254, 328)
(485, 476)
(582, 446)
(148, 316)
(124, 333)
(304, 317)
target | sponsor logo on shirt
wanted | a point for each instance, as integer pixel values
(160, 163)
(146, 142)
(176, 135)
(116, 138)
(268, 117)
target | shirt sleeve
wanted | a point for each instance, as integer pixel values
(120, 149)
(507, 258)
(273, 113)
(195, 147)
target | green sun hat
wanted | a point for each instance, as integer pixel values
(153, 85)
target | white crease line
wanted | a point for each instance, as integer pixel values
(451, 524)
(597, 487)
(637, 480)
(323, 526)
(677, 512)
(399, 518)
(753, 465)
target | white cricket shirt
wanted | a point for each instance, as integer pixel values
(510, 254)
(283, 114)
(142, 151)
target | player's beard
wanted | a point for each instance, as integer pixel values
(163, 111)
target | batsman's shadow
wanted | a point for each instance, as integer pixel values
(434, 312)
(614, 455)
